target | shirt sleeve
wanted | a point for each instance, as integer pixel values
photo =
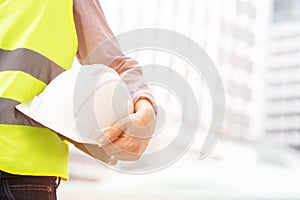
(98, 45)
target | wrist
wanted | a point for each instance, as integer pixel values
(142, 104)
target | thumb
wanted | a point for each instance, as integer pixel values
(124, 123)
(115, 131)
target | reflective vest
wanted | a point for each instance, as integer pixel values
(37, 42)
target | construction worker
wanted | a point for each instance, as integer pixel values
(38, 41)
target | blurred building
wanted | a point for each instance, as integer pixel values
(236, 31)
(228, 31)
(258, 46)
(253, 43)
(282, 83)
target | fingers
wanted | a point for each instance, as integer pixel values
(126, 148)
(120, 154)
(127, 156)
(112, 149)
(128, 138)
(125, 122)
(110, 135)
(132, 125)
(128, 144)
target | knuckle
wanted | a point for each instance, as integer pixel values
(145, 121)
(108, 134)
(134, 147)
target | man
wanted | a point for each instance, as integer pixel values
(38, 41)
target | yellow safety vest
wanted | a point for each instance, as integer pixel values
(37, 42)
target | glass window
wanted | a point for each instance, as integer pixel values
(286, 11)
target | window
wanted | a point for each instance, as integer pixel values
(286, 11)
(246, 8)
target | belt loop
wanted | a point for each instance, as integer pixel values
(58, 183)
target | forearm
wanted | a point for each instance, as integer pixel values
(98, 45)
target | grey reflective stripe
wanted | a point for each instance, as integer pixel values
(30, 62)
(10, 115)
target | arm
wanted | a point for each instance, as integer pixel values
(97, 45)
(126, 139)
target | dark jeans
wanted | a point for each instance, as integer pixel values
(17, 187)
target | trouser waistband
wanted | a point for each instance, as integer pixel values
(5, 175)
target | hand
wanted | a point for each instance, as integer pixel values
(128, 138)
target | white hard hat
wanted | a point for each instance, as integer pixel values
(81, 103)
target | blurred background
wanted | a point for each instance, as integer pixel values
(255, 46)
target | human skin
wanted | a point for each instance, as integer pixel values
(128, 138)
